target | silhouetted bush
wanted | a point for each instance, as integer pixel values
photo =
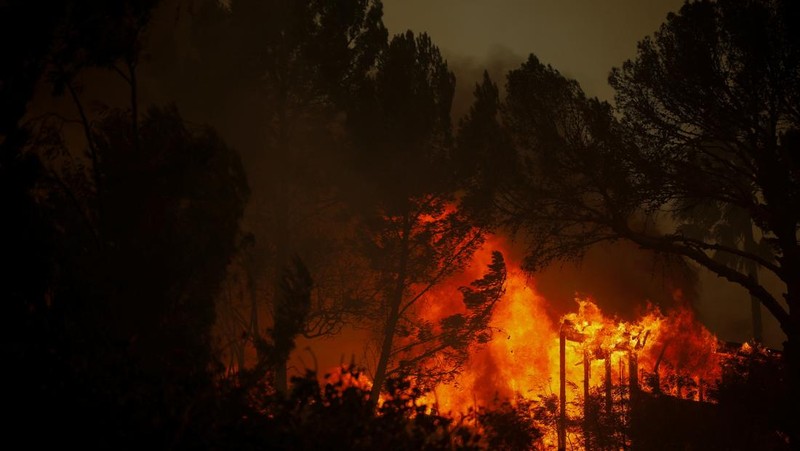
(510, 426)
(338, 416)
(753, 403)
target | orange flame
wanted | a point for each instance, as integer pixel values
(675, 353)
(343, 377)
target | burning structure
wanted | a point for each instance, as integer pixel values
(589, 380)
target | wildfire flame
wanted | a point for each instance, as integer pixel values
(604, 357)
(672, 353)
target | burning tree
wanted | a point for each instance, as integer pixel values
(414, 236)
(434, 351)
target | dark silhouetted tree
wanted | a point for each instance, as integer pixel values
(287, 69)
(485, 160)
(291, 318)
(142, 291)
(573, 184)
(711, 98)
(45, 47)
(121, 346)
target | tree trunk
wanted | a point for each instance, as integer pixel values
(281, 239)
(394, 312)
(752, 271)
(562, 391)
(608, 385)
(386, 350)
(791, 350)
(134, 103)
(790, 263)
(587, 366)
(279, 310)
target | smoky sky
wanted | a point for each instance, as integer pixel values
(583, 39)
